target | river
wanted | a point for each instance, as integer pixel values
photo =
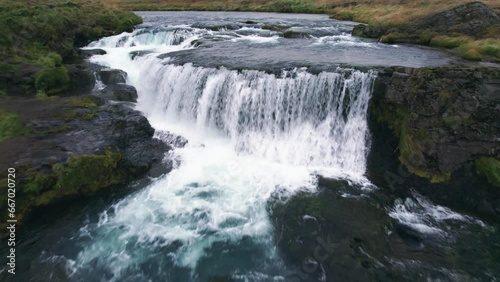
(264, 115)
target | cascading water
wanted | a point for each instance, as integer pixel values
(250, 133)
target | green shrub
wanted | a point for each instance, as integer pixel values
(11, 125)
(52, 80)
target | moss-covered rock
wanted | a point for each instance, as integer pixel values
(88, 172)
(47, 33)
(489, 167)
(442, 117)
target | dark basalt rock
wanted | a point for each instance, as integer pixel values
(119, 92)
(112, 76)
(295, 34)
(87, 53)
(71, 135)
(429, 126)
(81, 79)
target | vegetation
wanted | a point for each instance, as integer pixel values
(490, 168)
(41, 35)
(281, 6)
(392, 18)
(11, 125)
(80, 175)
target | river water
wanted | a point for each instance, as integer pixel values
(264, 115)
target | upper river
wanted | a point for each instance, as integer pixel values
(267, 103)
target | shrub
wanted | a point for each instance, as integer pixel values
(10, 125)
(52, 80)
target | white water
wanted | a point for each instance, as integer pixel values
(250, 134)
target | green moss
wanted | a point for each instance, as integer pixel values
(36, 182)
(88, 172)
(275, 27)
(88, 102)
(59, 129)
(11, 125)
(489, 167)
(411, 142)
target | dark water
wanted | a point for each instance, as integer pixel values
(264, 115)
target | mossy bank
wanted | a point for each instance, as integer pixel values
(38, 39)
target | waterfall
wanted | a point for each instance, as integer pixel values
(318, 121)
(251, 134)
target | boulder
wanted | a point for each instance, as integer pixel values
(87, 53)
(119, 92)
(112, 76)
(81, 79)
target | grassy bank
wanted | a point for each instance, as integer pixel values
(395, 21)
(280, 6)
(38, 37)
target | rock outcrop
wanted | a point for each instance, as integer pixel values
(75, 146)
(445, 124)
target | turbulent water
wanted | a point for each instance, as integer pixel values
(263, 116)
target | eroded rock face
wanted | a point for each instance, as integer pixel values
(430, 126)
(447, 116)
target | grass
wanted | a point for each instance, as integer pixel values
(399, 15)
(282, 6)
(47, 33)
(395, 13)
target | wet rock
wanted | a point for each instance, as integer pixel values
(134, 54)
(81, 79)
(175, 140)
(119, 92)
(437, 122)
(83, 143)
(295, 34)
(87, 53)
(112, 76)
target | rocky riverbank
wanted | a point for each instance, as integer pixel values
(63, 139)
(75, 146)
